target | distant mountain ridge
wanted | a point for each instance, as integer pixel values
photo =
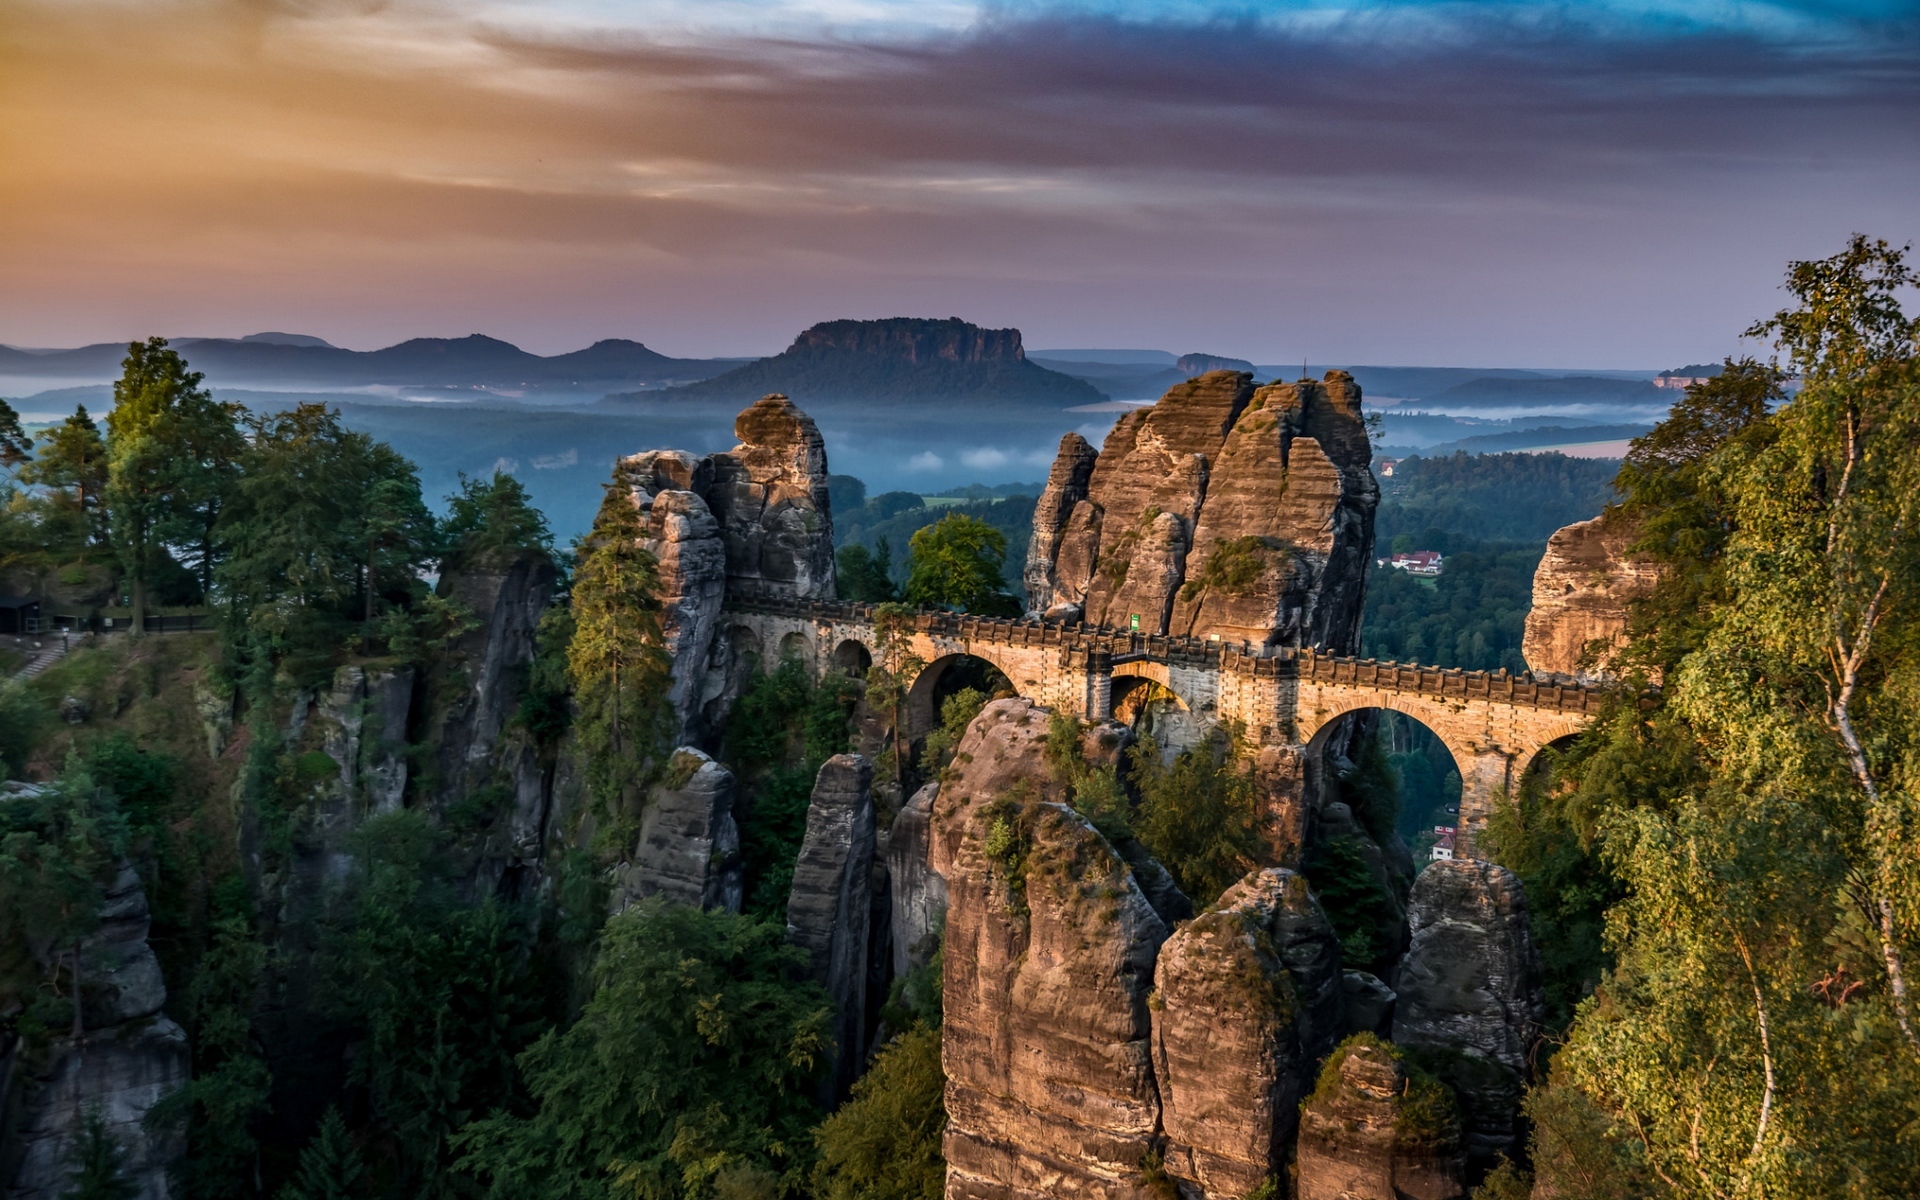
(898, 358)
(472, 361)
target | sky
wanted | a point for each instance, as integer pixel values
(1606, 185)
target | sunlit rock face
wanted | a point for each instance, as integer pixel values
(769, 494)
(1224, 510)
(1366, 1134)
(1581, 591)
(1049, 959)
(1248, 998)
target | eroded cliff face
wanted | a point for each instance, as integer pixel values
(830, 909)
(1581, 591)
(756, 517)
(689, 847)
(130, 1057)
(1469, 988)
(1222, 510)
(1248, 999)
(1050, 950)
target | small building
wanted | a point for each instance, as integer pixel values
(19, 614)
(1386, 468)
(1417, 562)
(1443, 847)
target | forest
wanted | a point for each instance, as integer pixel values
(1723, 872)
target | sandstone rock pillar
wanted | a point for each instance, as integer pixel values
(1375, 1130)
(1469, 988)
(689, 849)
(1248, 997)
(919, 894)
(829, 911)
(1050, 950)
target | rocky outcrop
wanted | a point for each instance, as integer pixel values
(769, 494)
(684, 538)
(1581, 591)
(129, 1058)
(1375, 1129)
(689, 848)
(366, 733)
(1367, 1003)
(829, 911)
(1469, 990)
(1066, 489)
(1247, 999)
(1221, 511)
(1050, 949)
(486, 668)
(919, 909)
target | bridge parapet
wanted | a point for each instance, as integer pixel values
(1121, 646)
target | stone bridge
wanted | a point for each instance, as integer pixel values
(1493, 723)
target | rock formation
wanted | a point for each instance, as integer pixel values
(1581, 591)
(1375, 1129)
(919, 909)
(689, 849)
(1248, 998)
(367, 712)
(769, 494)
(129, 1059)
(900, 358)
(1221, 511)
(1066, 489)
(684, 538)
(1368, 1003)
(756, 517)
(1469, 988)
(507, 595)
(829, 911)
(1050, 948)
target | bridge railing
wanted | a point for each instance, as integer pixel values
(1244, 657)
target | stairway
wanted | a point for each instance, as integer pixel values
(53, 649)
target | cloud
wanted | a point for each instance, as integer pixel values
(926, 460)
(1440, 183)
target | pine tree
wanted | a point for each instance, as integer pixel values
(99, 1164)
(330, 1167)
(72, 463)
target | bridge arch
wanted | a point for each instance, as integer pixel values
(1428, 772)
(852, 657)
(945, 676)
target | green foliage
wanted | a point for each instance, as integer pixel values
(956, 713)
(545, 712)
(331, 1167)
(323, 526)
(690, 1071)
(72, 466)
(1200, 815)
(884, 1143)
(1754, 1034)
(223, 1103)
(22, 717)
(865, 575)
(99, 1164)
(488, 518)
(783, 728)
(1505, 1182)
(172, 456)
(1094, 791)
(1448, 503)
(58, 849)
(440, 995)
(616, 660)
(1471, 616)
(15, 446)
(956, 563)
(1232, 567)
(1355, 897)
